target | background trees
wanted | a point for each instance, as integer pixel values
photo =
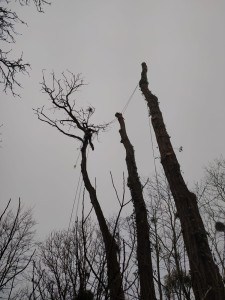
(170, 258)
(70, 262)
(16, 249)
(211, 194)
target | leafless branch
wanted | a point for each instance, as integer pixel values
(71, 119)
(38, 3)
(10, 68)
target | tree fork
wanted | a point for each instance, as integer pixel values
(206, 281)
(111, 248)
(145, 270)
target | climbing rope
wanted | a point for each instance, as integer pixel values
(158, 193)
(114, 120)
(80, 183)
(156, 177)
(129, 100)
(126, 105)
(78, 202)
(71, 215)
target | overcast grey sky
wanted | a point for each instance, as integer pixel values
(183, 44)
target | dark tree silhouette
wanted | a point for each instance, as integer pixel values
(145, 270)
(206, 280)
(66, 265)
(74, 122)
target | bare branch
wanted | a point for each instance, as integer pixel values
(9, 68)
(54, 123)
(71, 119)
(38, 3)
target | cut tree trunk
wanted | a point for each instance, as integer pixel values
(206, 281)
(111, 248)
(145, 271)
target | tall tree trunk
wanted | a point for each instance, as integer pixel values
(206, 280)
(145, 270)
(111, 248)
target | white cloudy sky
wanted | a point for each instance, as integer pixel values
(183, 43)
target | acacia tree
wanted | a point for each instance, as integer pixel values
(16, 248)
(74, 122)
(9, 67)
(206, 280)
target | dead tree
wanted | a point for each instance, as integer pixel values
(206, 280)
(147, 290)
(78, 120)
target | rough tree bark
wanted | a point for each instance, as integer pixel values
(147, 290)
(111, 248)
(206, 280)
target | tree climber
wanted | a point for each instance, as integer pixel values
(88, 137)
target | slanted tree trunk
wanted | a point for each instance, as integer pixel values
(111, 248)
(206, 280)
(147, 290)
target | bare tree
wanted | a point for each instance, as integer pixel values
(62, 270)
(71, 264)
(206, 280)
(9, 67)
(73, 121)
(16, 248)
